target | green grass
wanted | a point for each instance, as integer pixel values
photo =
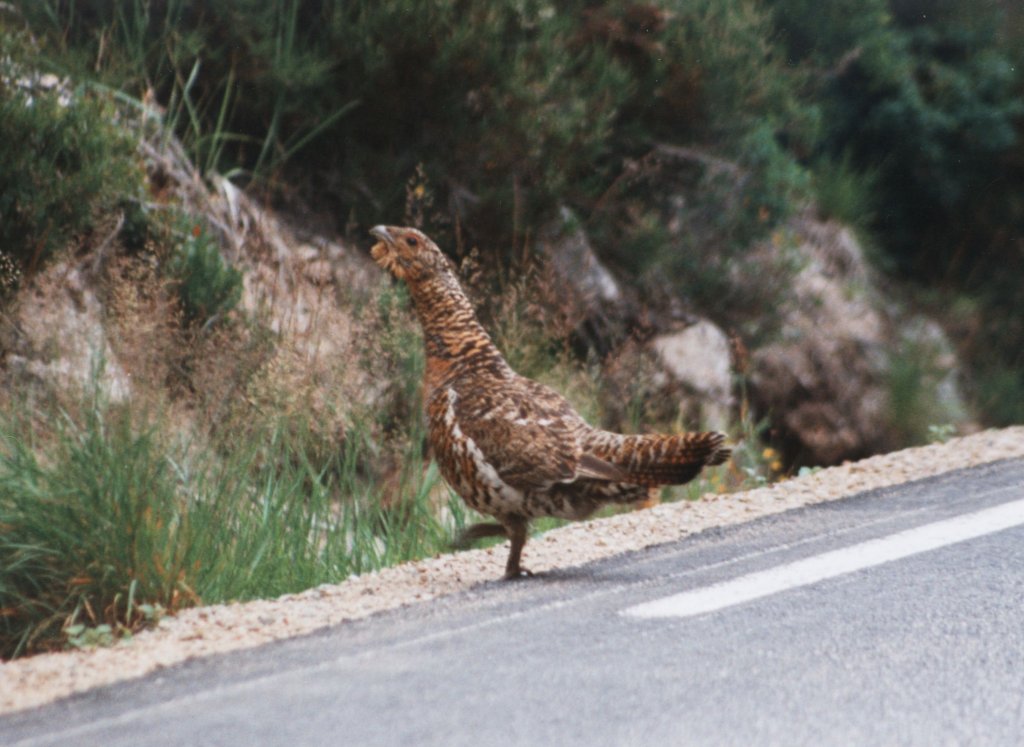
(917, 412)
(105, 519)
(847, 194)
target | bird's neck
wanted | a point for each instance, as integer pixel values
(456, 343)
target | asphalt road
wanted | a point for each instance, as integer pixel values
(924, 648)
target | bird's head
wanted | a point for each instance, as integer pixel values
(406, 253)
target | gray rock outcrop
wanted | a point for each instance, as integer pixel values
(850, 374)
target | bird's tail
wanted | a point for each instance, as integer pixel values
(654, 460)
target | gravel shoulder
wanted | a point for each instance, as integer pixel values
(33, 681)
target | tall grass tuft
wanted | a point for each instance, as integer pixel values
(846, 193)
(93, 523)
(207, 285)
(105, 519)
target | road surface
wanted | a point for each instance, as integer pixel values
(891, 617)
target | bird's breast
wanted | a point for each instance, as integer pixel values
(465, 466)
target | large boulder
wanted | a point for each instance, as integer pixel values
(851, 373)
(566, 245)
(680, 377)
(698, 359)
(58, 336)
(676, 364)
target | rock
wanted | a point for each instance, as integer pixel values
(845, 379)
(683, 371)
(699, 359)
(601, 304)
(61, 340)
(572, 257)
(678, 378)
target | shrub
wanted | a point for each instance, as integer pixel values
(924, 97)
(64, 159)
(90, 531)
(999, 392)
(912, 382)
(511, 107)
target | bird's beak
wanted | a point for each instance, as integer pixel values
(383, 252)
(381, 232)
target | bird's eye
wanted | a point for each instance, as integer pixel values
(412, 241)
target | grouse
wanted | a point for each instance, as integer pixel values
(511, 447)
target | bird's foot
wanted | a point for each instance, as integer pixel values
(517, 574)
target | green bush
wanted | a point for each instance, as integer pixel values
(999, 392)
(510, 107)
(63, 162)
(925, 97)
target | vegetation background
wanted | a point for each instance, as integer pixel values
(480, 121)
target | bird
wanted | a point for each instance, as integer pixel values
(511, 447)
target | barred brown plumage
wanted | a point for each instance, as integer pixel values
(509, 446)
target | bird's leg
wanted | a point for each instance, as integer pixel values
(517, 533)
(478, 531)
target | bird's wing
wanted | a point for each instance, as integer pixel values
(527, 432)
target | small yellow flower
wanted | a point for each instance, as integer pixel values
(419, 191)
(776, 466)
(768, 453)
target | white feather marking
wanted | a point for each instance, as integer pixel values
(486, 472)
(544, 422)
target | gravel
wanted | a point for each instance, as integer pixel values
(33, 681)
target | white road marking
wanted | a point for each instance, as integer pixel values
(835, 563)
